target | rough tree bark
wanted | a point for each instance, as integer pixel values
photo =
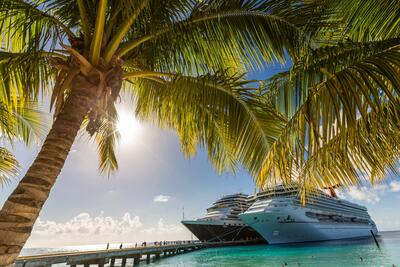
(22, 208)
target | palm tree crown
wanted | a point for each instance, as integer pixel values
(152, 51)
(182, 60)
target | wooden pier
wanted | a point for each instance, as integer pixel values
(109, 257)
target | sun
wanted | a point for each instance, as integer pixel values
(127, 126)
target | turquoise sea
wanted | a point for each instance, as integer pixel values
(352, 253)
(329, 254)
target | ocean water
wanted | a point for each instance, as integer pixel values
(352, 253)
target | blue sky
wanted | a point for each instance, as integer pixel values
(144, 200)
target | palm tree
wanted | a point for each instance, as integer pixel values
(341, 100)
(181, 59)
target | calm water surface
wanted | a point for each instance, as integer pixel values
(324, 254)
(333, 253)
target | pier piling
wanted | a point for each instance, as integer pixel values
(136, 260)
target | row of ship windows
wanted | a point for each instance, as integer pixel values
(322, 218)
(232, 200)
(319, 202)
(227, 206)
(334, 218)
(336, 201)
(233, 224)
(321, 196)
(336, 209)
(315, 205)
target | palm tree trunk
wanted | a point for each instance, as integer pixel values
(23, 206)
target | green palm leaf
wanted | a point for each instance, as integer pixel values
(25, 123)
(333, 98)
(217, 113)
(370, 20)
(8, 166)
(28, 25)
(215, 35)
(24, 75)
(107, 138)
(185, 38)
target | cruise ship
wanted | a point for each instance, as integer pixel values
(222, 222)
(279, 216)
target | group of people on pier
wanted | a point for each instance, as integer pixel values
(159, 243)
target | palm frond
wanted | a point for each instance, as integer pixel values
(369, 20)
(122, 31)
(215, 33)
(32, 123)
(365, 152)
(9, 166)
(26, 26)
(290, 89)
(215, 112)
(107, 138)
(26, 123)
(332, 100)
(95, 48)
(25, 75)
(85, 24)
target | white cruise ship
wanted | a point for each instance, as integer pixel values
(279, 217)
(222, 222)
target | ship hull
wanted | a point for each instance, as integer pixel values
(217, 232)
(278, 232)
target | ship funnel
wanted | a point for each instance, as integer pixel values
(332, 191)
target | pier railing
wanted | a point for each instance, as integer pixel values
(110, 256)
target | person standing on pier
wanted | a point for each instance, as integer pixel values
(120, 246)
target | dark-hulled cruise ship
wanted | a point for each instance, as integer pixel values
(222, 222)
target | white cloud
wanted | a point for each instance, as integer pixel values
(86, 229)
(369, 194)
(163, 228)
(161, 198)
(84, 224)
(380, 188)
(395, 186)
(364, 194)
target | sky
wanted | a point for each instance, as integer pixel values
(153, 190)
